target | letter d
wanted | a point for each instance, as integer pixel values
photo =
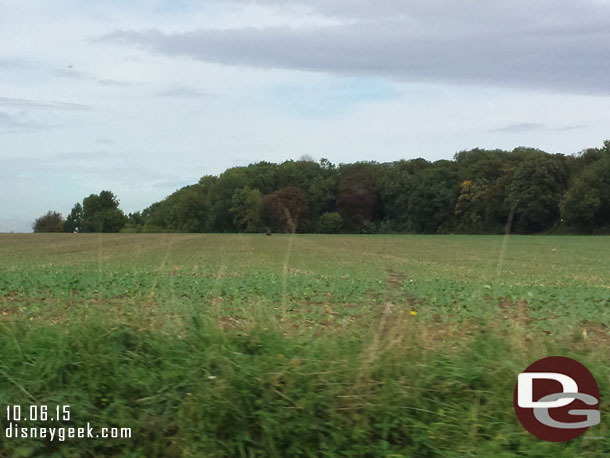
(525, 391)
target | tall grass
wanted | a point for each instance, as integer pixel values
(261, 393)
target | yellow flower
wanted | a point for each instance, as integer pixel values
(413, 312)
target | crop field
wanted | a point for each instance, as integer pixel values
(297, 345)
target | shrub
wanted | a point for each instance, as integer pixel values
(330, 223)
(51, 222)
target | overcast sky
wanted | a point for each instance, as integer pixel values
(144, 97)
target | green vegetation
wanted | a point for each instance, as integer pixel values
(51, 222)
(297, 345)
(475, 193)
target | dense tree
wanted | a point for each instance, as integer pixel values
(246, 209)
(357, 197)
(483, 176)
(581, 203)
(185, 210)
(432, 200)
(73, 222)
(395, 182)
(321, 192)
(50, 222)
(297, 174)
(586, 205)
(535, 192)
(101, 213)
(262, 176)
(284, 210)
(190, 209)
(471, 205)
(221, 198)
(477, 192)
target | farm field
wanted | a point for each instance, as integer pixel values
(297, 345)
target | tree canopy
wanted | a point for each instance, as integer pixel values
(476, 192)
(50, 222)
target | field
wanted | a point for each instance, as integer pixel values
(297, 345)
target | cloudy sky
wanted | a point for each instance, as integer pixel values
(143, 97)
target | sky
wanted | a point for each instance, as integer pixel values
(144, 97)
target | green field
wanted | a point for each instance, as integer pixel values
(297, 345)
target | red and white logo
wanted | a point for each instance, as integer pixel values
(556, 399)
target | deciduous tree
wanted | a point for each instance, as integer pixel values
(50, 222)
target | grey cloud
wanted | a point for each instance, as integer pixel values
(521, 127)
(567, 128)
(560, 46)
(181, 92)
(13, 64)
(111, 82)
(38, 104)
(14, 123)
(84, 165)
(73, 73)
(21, 67)
(99, 163)
(469, 13)
(534, 126)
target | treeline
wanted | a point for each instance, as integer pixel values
(479, 191)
